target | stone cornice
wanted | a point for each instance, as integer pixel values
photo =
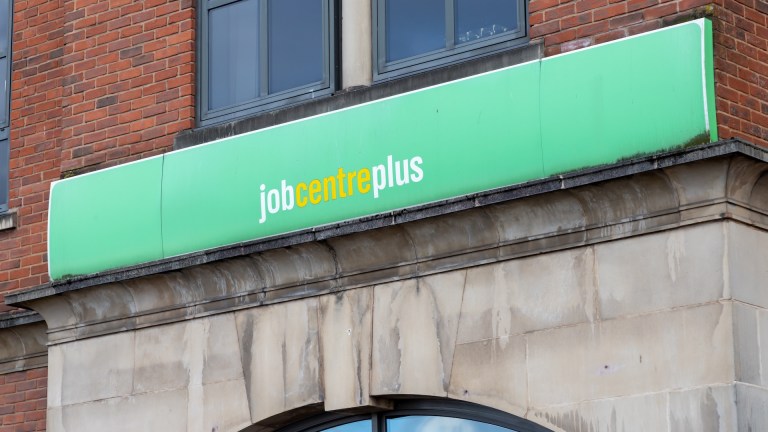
(23, 342)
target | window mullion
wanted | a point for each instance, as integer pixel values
(450, 23)
(263, 48)
(377, 423)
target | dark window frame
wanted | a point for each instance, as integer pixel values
(5, 120)
(266, 101)
(418, 407)
(452, 53)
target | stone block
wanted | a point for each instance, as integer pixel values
(221, 355)
(707, 409)
(414, 334)
(529, 218)
(746, 343)
(528, 294)
(281, 357)
(163, 411)
(752, 408)
(491, 373)
(372, 250)
(162, 358)
(462, 231)
(345, 332)
(748, 265)
(223, 407)
(627, 414)
(699, 182)
(55, 375)
(668, 350)
(109, 362)
(661, 271)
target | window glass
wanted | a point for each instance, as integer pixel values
(4, 23)
(439, 424)
(262, 54)
(477, 19)
(416, 35)
(4, 89)
(233, 62)
(414, 27)
(358, 426)
(295, 43)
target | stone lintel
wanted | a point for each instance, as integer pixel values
(721, 181)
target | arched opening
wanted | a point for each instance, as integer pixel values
(418, 415)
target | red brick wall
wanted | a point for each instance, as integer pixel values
(741, 68)
(22, 401)
(129, 79)
(35, 138)
(95, 83)
(741, 45)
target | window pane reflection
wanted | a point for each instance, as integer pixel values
(295, 43)
(4, 23)
(414, 27)
(233, 63)
(478, 19)
(358, 426)
(439, 424)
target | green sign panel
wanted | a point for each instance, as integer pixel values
(642, 94)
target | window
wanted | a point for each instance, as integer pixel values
(426, 415)
(261, 54)
(411, 36)
(6, 18)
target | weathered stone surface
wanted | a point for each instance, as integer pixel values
(438, 237)
(55, 375)
(161, 363)
(223, 408)
(221, 350)
(699, 182)
(535, 293)
(414, 334)
(751, 403)
(345, 333)
(492, 373)
(281, 356)
(163, 411)
(762, 326)
(621, 357)
(626, 199)
(628, 414)
(535, 216)
(748, 272)
(661, 271)
(109, 362)
(707, 409)
(295, 265)
(373, 250)
(746, 344)
(23, 347)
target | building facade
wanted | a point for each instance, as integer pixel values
(619, 285)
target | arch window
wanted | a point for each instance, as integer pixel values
(429, 415)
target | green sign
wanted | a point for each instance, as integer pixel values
(594, 106)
